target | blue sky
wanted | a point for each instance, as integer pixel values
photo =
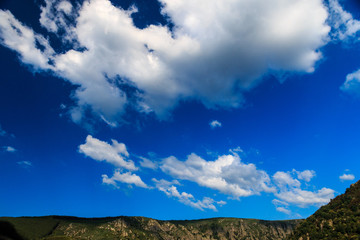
(178, 109)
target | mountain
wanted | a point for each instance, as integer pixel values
(65, 228)
(340, 219)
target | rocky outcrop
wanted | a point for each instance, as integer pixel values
(65, 228)
(146, 228)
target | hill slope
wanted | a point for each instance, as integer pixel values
(340, 219)
(55, 227)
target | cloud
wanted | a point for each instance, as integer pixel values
(25, 42)
(304, 198)
(25, 164)
(186, 198)
(352, 83)
(147, 163)
(226, 174)
(115, 154)
(212, 55)
(306, 175)
(9, 149)
(283, 179)
(127, 177)
(215, 124)
(347, 177)
(54, 15)
(290, 191)
(283, 210)
(344, 26)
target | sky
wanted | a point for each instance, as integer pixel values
(178, 109)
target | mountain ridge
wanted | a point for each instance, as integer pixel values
(339, 219)
(123, 227)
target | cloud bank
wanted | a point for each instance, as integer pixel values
(213, 54)
(227, 174)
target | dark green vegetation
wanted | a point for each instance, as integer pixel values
(65, 228)
(340, 219)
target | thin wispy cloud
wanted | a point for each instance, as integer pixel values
(25, 164)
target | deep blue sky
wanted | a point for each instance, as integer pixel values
(284, 125)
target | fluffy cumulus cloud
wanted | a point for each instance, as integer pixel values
(230, 176)
(344, 25)
(347, 177)
(290, 191)
(127, 177)
(352, 83)
(304, 198)
(32, 48)
(215, 51)
(347, 29)
(9, 149)
(306, 175)
(227, 174)
(115, 153)
(214, 124)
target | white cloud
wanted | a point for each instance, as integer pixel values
(25, 42)
(226, 174)
(290, 191)
(277, 202)
(115, 154)
(9, 149)
(304, 198)
(186, 198)
(347, 177)
(221, 203)
(55, 17)
(352, 83)
(306, 175)
(127, 177)
(343, 23)
(217, 50)
(215, 124)
(147, 163)
(345, 28)
(283, 210)
(283, 179)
